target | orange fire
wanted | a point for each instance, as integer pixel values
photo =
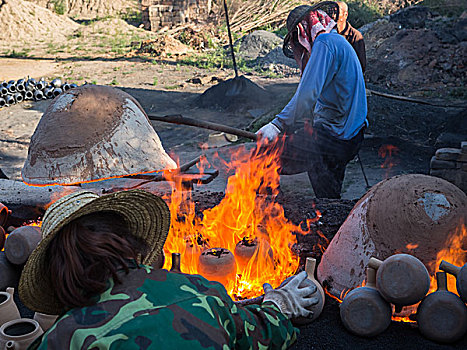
(387, 152)
(248, 210)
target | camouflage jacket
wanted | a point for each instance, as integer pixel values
(157, 309)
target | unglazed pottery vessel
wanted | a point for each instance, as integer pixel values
(19, 334)
(442, 315)
(8, 309)
(402, 279)
(461, 277)
(364, 311)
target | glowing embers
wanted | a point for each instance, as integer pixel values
(248, 212)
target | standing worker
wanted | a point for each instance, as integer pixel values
(352, 35)
(331, 92)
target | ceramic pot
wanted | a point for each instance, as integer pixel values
(21, 242)
(310, 267)
(442, 316)
(8, 309)
(19, 334)
(4, 212)
(175, 263)
(246, 249)
(2, 237)
(461, 277)
(402, 279)
(364, 311)
(45, 321)
(218, 264)
(9, 273)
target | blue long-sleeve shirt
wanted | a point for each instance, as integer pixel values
(332, 89)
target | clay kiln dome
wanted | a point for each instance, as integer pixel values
(414, 214)
(90, 133)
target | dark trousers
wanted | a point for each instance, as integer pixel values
(323, 156)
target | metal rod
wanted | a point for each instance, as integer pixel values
(179, 119)
(363, 170)
(230, 39)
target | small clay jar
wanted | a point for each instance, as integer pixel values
(9, 273)
(461, 277)
(402, 279)
(21, 242)
(218, 264)
(2, 237)
(364, 311)
(4, 212)
(246, 249)
(45, 321)
(8, 309)
(310, 267)
(176, 263)
(19, 334)
(442, 316)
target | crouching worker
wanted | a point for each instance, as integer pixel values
(95, 267)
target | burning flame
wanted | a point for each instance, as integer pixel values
(246, 211)
(387, 152)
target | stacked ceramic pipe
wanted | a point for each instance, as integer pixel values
(403, 280)
(16, 91)
(17, 332)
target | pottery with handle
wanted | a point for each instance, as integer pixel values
(364, 311)
(4, 212)
(8, 309)
(310, 267)
(402, 279)
(442, 316)
(19, 334)
(461, 277)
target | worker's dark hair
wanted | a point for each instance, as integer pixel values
(88, 251)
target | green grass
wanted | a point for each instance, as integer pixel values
(171, 87)
(17, 54)
(155, 81)
(114, 82)
(59, 6)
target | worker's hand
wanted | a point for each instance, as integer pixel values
(293, 297)
(269, 132)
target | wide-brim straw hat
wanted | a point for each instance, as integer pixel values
(146, 215)
(297, 14)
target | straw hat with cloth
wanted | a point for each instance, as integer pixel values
(146, 215)
(309, 20)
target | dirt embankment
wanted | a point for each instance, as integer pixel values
(25, 21)
(89, 9)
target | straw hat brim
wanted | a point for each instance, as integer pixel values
(146, 214)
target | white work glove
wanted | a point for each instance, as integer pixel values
(269, 132)
(293, 296)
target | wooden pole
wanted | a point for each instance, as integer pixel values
(179, 119)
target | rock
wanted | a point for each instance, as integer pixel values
(258, 44)
(411, 17)
(464, 146)
(442, 164)
(460, 30)
(457, 177)
(448, 154)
